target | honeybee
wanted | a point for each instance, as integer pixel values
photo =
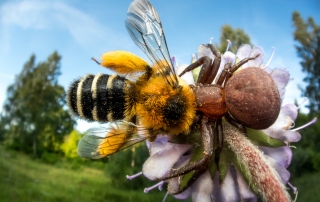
(160, 102)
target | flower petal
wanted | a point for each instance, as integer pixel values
(228, 57)
(246, 194)
(160, 163)
(290, 110)
(282, 155)
(227, 190)
(161, 143)
(243, 52)
(281, 76)
(202, 188)
(282, 171)
(259, 60)
(281, 127)
(187, 77)
(204, 50)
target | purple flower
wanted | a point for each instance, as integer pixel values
(254, 165)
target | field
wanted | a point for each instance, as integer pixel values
(25, 179)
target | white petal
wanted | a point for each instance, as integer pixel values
(161, 143)
(259, 60)
(282, 155)
(187, 77)
(290, 110)
(229, 57)
(204, 50)
(202, 188)
(243, 52)
(282, 171)
(227, 191)
(160, 163)
(246, 194)
(281, 76)
(281, 127)
(183, 195)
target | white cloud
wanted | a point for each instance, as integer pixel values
(52, 15)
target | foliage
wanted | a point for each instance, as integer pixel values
(306, 156)
(70, 143)
(128, 162)
(237, 37)
(307, 34)
(33, 115)
(24, 179)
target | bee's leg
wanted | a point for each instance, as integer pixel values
(123, 62)
(235, 123)
(219, 137)
(207, 143)
(209, 70)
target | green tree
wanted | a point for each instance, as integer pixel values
(236, 36)
(70, 144)
(33, 115)
(307, 34)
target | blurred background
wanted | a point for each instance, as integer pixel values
(45, 45)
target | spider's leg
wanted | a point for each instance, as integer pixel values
(205, 61)
(235, 123)
(225, 74)
(209, 69)
(219, 138)
(202, 164)
(242, 62)
(214, 67)
(174, 186)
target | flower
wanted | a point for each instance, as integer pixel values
(251, 165)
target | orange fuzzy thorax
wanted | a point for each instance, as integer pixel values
(154, 98)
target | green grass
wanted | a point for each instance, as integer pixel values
(25, 179)
(308, 187)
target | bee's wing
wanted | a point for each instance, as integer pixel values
(144, 26)
(100, 141)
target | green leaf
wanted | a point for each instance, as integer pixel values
(260, 138)
(223, 165)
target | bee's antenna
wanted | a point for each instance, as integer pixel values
(95, 60)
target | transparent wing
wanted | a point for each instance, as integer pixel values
(100, 142)
(145, 28)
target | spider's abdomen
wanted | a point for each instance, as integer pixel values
(211, 101)
(252, 97)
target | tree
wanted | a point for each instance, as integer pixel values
(33, 115)
(236, 36)
(307, 34)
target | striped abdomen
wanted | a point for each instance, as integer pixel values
(99, 97)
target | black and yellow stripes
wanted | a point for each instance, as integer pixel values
(99, 98)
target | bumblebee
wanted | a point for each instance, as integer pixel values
(160, 102)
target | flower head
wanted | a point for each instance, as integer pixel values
(251, 164)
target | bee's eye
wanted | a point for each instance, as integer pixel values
(252, 98)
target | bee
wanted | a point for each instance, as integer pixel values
(158, 101)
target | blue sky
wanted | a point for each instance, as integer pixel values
(79, 30)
